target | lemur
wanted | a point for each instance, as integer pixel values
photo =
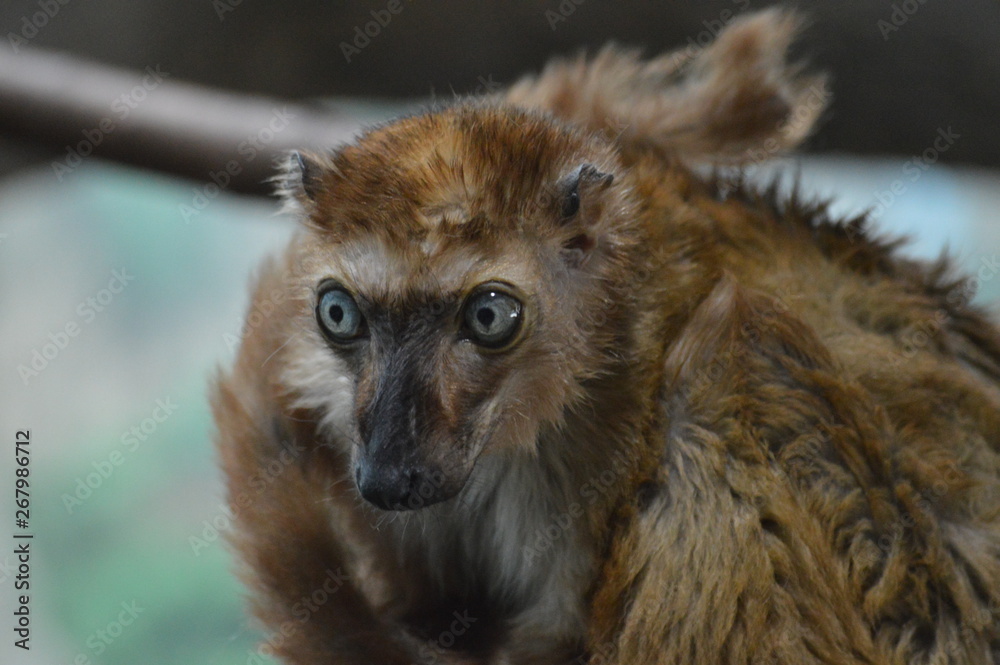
(542, 383)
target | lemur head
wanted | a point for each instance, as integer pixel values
(462, 274)
(466, 274)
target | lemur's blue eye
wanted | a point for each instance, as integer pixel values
(492, 317)
(338, 315)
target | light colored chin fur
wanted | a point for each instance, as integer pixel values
(507, 531)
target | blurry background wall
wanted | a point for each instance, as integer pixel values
(900, 68)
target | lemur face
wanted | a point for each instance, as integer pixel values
(457, 264)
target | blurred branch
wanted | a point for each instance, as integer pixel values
(148, 120)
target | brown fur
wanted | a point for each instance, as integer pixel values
(731, 431)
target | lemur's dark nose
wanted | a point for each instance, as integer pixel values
(395, 487)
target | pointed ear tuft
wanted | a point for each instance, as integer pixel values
(580, 205)
(301, 179)
(583, 180)
(308, 174)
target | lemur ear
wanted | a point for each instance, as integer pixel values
(301, 179)
(577, 183)
(308, 174)
(579, 204)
